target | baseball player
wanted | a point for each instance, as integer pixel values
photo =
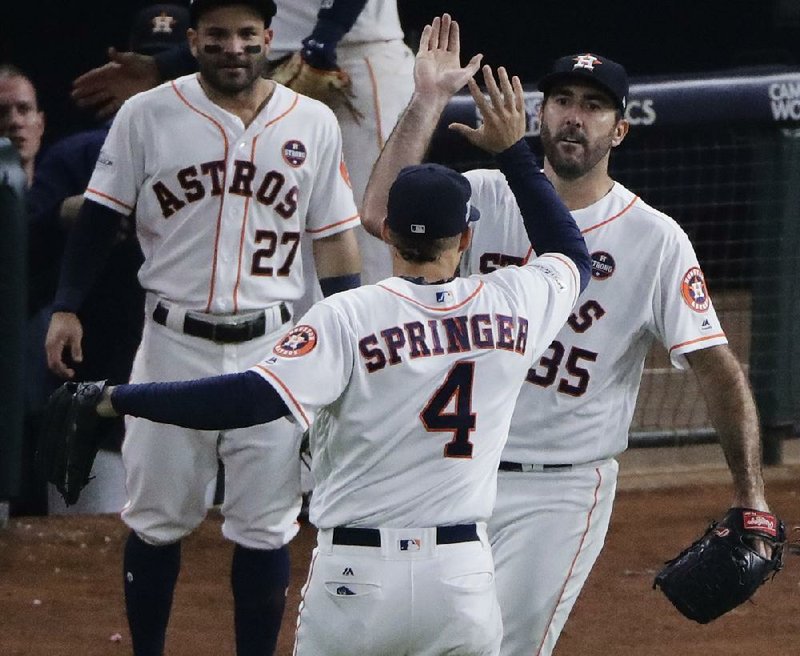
(408, 419)
(557, 476)
(226, 171)
(364, 38)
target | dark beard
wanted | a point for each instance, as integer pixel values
(572, 168)
(214, 78)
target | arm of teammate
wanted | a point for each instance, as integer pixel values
(88, 247)
(214, 403)
(127, 73)
(548, 222)
(334, 20)
(438, 75)
(338, 262)
(733, 414)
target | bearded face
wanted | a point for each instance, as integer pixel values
(231, 45)
(578, 128)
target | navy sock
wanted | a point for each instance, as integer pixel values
(149, 574)
(259, 579)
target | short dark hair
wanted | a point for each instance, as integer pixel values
(266, 8)
(419, 249)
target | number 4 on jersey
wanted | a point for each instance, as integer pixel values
(456, 391)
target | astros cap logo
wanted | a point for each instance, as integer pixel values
(300, 340)
(163, 24)
(586, 61)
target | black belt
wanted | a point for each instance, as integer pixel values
(519, 467)
(371, 537)
(234, 332)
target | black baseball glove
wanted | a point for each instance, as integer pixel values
(70, 437)
(724, 567)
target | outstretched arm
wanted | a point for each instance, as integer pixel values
(214, 403)
(734, 417)
(438, 75)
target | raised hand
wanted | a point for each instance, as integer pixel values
(503, 112)
(437, 71)
(105, 88)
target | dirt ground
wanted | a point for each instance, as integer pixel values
(60, 589)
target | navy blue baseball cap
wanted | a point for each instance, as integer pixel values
(604, 72)
(158, 27)
(266, 8)
(430, 201)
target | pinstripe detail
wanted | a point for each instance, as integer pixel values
(224, 186)
(376, 101)
(116, 201)
(527, 255)
(695, 341)
(280, 116)
(243, 230)
(435, 309)
(303, 600)
(610, 219)
(295, 402)
(333, 225)
(574, 560)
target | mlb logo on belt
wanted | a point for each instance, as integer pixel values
(412, 544)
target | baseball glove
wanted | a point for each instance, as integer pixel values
(70, 436)
(724, 568)
(333, 87)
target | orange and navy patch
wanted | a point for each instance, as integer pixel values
(300, 340)
(294, 153)
(603, 265)
(345, 173)
(693, 290)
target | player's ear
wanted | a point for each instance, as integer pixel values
(465, 241)
(620, 131)
(385, 231)
(191, 37)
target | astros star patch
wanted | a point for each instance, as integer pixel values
(300, 340)
(693, 290)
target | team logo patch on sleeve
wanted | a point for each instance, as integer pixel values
(300, 340)
(693, 290)
(295, 153)
(602, 265)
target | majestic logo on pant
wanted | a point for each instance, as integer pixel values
(347, 571)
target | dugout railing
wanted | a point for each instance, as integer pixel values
(720, 153)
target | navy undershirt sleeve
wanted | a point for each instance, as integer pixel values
(215, 403)
(550, 226)
(88, 247)
(334, 20)
(337, 284)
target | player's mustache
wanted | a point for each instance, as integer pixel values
(572, 135)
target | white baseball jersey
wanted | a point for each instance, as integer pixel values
(412, 388)
(578, 400)
(378, 21)
(220, 215)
